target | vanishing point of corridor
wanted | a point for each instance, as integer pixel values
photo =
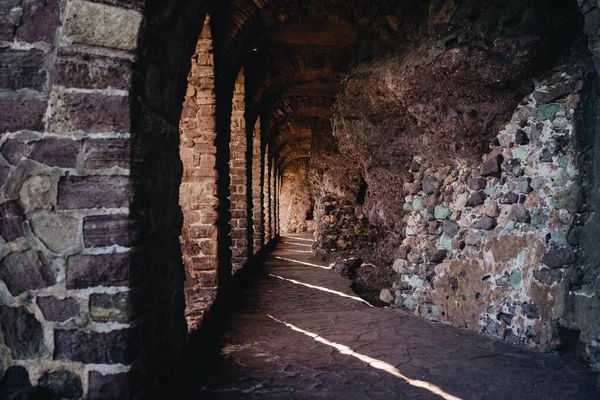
(301, 333)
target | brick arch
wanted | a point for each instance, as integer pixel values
(327, 67)
(286, 109)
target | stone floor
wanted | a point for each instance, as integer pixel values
(301, 333)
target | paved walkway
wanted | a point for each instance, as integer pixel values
(301, 333)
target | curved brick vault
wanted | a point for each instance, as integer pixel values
(444, 153)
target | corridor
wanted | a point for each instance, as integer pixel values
(301, 333)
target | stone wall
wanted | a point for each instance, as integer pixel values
(340, 223)
(490, 248)
(296, 202)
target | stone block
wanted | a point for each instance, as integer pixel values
(22, 333)
(14, 151)
(111, 307)
(492, 166)
(22, 113)
(558, 257)
(114, 347)
(38, 192)
(56, 152)
(23, 271)
(92, 73)
(108, 387)
(89, 112)
(22, 69)
(107, 153)
(64, 385)
(548, 276)
(98, 270)
(58, 310)
(11, 222)
(40, 21)
(107, 230)
(101, 25)
(80, 192)
(58, 232)
(8, 20)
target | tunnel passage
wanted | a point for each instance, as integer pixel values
(443, 153)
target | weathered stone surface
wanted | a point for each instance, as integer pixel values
(519, 213)
(94, 192)
(40, 21)
(430, 185)
(106, 230)
(509, 198)
(477, 183)
(109, 387)
(451, 228)
(38, 192)
(22, 69)
(521, 137)
(23, 271)
(559, 257)
(101, 25)
(58, 232)
(92, 73)
(94, 270)
(485, 223)
(114, 347)
(22, 113)
(14, 151)
(548, 276)
(435, 256)
(22, 333)
(11, 224)
(58, 310)
(387, 296)
(346, 267)
(7, 21)
(492, 166)
(56, 152)
(71, 112)
(111, 307)
(107, 153)
(15, 377)
(475, 199)
(64, 385)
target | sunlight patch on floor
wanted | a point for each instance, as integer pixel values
(322, 289)
(303, 263)
(372, 362)
(298, 244)
(297, 238)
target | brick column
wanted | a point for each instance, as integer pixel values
(237, 173)
(197, 194)
(267, 195)
(257, 220)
